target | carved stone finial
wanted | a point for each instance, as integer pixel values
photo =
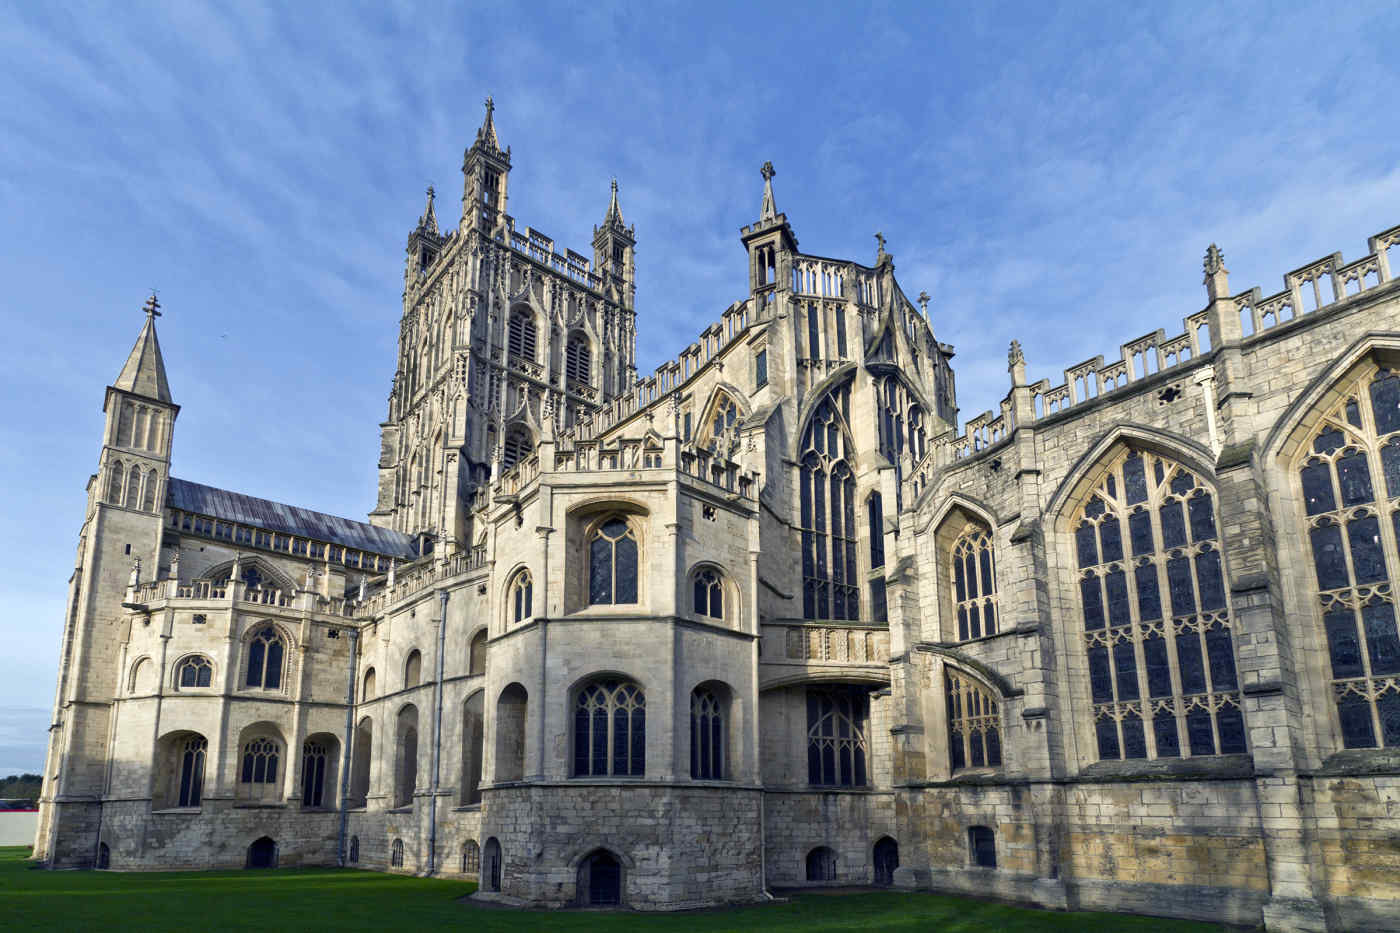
(1214, 261)
(880, 239)
(767, 171)
(923, 302)
(1014, 356)
(152, 306)
(769, 210)
(490, 105)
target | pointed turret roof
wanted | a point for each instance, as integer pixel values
(487, 133)
(614, 211)
(428, 222)
(144, 372)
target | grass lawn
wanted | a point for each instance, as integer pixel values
(343, 900)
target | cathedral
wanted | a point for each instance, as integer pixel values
(767, 617)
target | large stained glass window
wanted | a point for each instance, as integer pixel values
(974, 583)
(1157, 626)
(1350, 479)
(610, 730)
(612, 564)
(830, 586)
(974, 723)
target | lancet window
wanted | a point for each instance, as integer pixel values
(313, 774)
(610, 730)
(612, 563)
(707, 736)
(1350, 484)
(521, 593)
(974, 723)
(836, 744)
(708, 594)
(1157, 626)
(265, 651)
(192, 756)
(830, 586)
(974, 583)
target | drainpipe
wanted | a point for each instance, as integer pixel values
(437, 736)
(345, 752)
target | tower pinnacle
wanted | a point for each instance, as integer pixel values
(614, 211)
(144, 371)
(769, 209)
(487, 133)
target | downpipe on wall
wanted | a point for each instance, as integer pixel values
(437, 735)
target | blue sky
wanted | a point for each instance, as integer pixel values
(1052, 176)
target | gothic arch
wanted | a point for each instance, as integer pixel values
(271, 576)
(1288, 432)
(593, 844)
(824, 677)
(1080, 477)
(819, 393)
(953, 499)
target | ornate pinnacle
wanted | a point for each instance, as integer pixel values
(770, 208)
(152, 306)
(923, 302)
(1014, 356)
(1214, 261)
(767, 171)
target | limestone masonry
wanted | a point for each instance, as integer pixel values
(765, 617)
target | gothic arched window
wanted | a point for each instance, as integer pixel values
(974, 723)
(1161, 671)
(610, 730)
(194, 671)
(259, 771)
(520, 596)
(708, 594)
(313, 774)
(974, 583)
(148, 498)
(412, 668)
(367, 692)
(875, 518)
(578, 359)
(265, 651)
(114, 482)
(721, 426)
(836, 744)
(471, 857)
(612, 563)
(133, 488)
(707, 736)
(519, 445)
(829, 583)
(523, 336)
(1350, 482)
(192, 771)
(396, 854)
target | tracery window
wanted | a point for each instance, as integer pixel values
(313, 774)
(1353, 521)
(836, 743)
(974, 583)
(830, 588)
(974, 723)
(612, 563)
(520, 592)
(708, 595)
(194, 671)
(523, 335)
(265, 651)
(133, 488)
(192, 771)
(578, 359)
(610, 735)
(875, 517)
(1162, 677)
(396, 854)
(471, 857)
(821, 864)
(114, 482)
(707, 736)
(259, 763)
(721, 426)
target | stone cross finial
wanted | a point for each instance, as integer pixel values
(1214, 261)
(152, 306)
(430, 193)
(767, 171)
(880, 239)
(490, 105)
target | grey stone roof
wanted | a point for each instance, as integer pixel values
(144, 370)
(289, 519)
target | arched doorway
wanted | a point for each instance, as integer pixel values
(886, 861)
(104, 856)
(821, 864)
(262, 853)
(600, 880)
(491, 865)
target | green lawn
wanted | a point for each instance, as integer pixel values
(330, 899)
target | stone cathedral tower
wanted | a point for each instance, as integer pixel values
(490, 356)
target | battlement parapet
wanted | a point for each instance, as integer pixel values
(1315, 288)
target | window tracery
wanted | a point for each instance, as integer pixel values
(707, 736)
(708, 594)
(1161, 672)
(610, 735)
(259, 771)
(1350, 484)
(974, 583)
(313, 774)
(192, 771)
(520, 598)
(194, 671)
(612, 563)
(830, 588)
(265, 653)
(974, 723)
(836, 742)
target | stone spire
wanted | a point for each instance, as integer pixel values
(144, 372)
(428, 221)
(487, 134)
(769, 211)
(614, 215)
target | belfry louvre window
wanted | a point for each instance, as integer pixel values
(974, 723)
(1350, 484)
(522, 336)
(830, 588)
(612, 564)
(610, 730)
(265, 652)
(194, 671)
(578, 359)
(1161, 671)
(974, 583)
(836, 744)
